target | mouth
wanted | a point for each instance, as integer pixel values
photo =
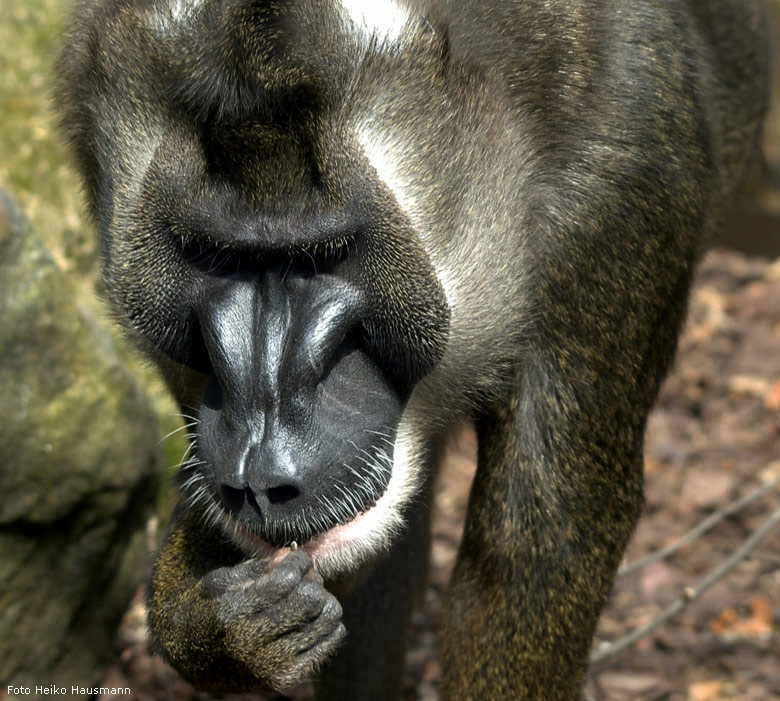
(322, 523)
(335, 538)
(347, 545)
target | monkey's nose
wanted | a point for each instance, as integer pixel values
(244, 500)
(266, 484)
(282, 494)
(269, 501)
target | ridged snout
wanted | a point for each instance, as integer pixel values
(297, 418)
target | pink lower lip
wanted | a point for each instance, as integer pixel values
(317, 546)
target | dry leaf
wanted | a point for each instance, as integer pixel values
(771, 472)
(758, 624)
(705, 691)
(726, 620)
(772, 397)
(749, 385)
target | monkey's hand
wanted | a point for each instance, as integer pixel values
(256, 625)
(277, 619)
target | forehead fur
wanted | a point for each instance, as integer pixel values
(172, 17)
(382, 20)
(227, 57)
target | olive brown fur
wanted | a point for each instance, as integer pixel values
(339, 228)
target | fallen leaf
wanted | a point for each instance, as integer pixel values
(707, 488)
(749, 385)
(704, 691)
(657, 577)
(771, 472)
(758, 624)
(630, 685)
(772, 272)
(727, 618)
(772, 396)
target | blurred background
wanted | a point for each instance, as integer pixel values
(85, 476)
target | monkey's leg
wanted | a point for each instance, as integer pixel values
(377, 612)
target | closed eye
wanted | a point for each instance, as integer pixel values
(216, 259)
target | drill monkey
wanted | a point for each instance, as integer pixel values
(339, 227)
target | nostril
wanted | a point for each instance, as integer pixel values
(232, 498)
(282, 494)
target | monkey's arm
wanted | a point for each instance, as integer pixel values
(558, 487)
(534, 569)
(548, 520)
(228, 624)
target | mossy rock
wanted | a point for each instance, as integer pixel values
(79, 472)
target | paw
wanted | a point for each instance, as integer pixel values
(278, 619)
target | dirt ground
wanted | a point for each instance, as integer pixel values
(712, 439)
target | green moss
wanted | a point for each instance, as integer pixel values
(35, 169)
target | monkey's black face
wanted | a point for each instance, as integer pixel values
(298, 420)
(309, 361)
(249, 235)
